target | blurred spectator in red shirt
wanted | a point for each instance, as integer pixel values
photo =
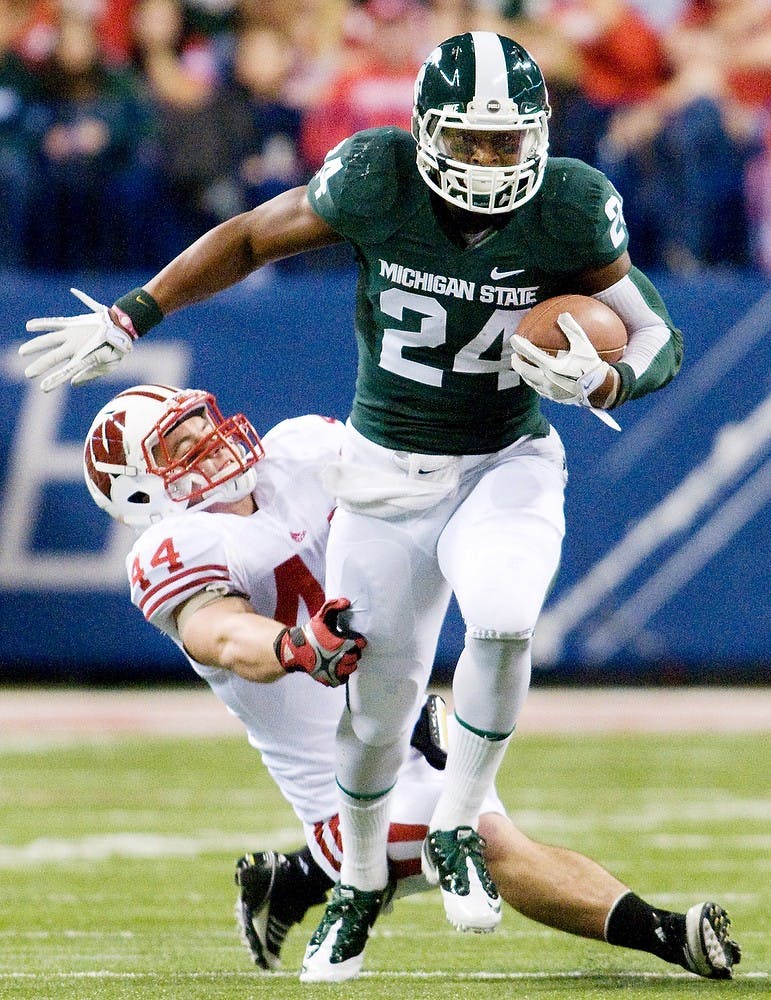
(734, 35)
(111, 20)
(596, 56)
(386, 43)
(622, 56)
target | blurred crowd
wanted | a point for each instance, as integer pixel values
(129, 127)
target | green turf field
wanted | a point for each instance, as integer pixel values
(116, 864)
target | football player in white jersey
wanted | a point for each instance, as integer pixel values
(229, 557)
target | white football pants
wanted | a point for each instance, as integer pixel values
(494, 541)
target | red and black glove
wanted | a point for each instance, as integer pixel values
(324, 648)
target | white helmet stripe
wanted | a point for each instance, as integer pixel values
(492, 80)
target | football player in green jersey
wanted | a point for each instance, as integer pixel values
(450, 478)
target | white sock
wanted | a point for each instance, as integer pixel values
(364, 832)
(472, 764)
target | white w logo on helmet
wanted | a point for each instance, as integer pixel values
(131, 473)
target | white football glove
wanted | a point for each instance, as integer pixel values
(86, 346)
(570, 378)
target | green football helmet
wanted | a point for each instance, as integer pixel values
(480, 121)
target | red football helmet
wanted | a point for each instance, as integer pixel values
(131, 473)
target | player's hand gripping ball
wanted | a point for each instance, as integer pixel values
(603, 327)
(564, 346)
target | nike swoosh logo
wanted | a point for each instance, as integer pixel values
(496, 275)
(141, 301)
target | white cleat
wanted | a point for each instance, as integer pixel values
(335, 952)
(452, 859)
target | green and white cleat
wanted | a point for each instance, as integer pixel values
(335, 952)
(452, 859)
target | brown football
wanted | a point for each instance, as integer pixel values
(601, 324)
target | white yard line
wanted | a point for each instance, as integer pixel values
(622, 978)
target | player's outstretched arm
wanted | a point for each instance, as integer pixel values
(282, 227)
(79, 348)
(227, 633)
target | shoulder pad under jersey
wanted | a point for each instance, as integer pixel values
(305, 438)
(580, 213)
(174, 559)
(368, 184)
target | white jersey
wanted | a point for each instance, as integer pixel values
(275, 558)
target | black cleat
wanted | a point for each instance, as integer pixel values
(276, 891)
(430, 733)
(261, 931)
(708, 951)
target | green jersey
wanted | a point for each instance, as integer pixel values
(433, 317)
